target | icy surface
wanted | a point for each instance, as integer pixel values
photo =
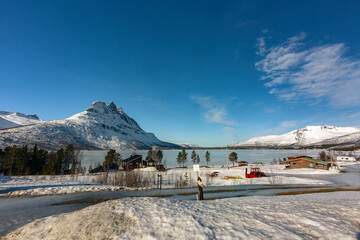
(310, 216)
(101, 126)
(304, 136)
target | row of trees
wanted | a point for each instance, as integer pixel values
(195, 158)
(31, 161)
(155, 155)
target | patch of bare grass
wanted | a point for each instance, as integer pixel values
(84, 200)
(317, 191)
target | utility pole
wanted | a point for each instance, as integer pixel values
(227, 157)
(332, 162)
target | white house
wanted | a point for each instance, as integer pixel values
(345, 159)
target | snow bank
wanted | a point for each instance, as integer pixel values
(61, 190)
(50, 185)
(4, 179)
(310, 216)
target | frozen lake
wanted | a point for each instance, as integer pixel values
(217, 157)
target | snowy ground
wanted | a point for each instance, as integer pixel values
(310, 216)
(49, 185)
(275, 175)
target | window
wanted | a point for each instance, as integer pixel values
(316, 164)
(311, 165)
(294, 163)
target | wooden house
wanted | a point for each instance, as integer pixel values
(301, 161)
(133, 162)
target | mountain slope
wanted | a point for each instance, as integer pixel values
(352, 139)
(307, 136)
(101, 126)
(14, 119)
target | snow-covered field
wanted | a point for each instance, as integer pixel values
(49, 185)
(310, 216)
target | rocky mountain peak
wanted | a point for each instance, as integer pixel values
(101, 108)
(112, 106)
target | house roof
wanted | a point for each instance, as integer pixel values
(297, 156)
(316, 160)
(132, 158)
(308, 159)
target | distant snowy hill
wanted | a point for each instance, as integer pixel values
(310, 135)
(14, 119)
(187, 145)
(101, 126)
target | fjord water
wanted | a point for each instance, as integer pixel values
(217, 157)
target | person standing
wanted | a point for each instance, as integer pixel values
(200, 189)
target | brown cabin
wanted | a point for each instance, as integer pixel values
(302, 161)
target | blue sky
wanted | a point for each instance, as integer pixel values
(206, 72)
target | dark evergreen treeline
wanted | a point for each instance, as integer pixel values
(16, 160)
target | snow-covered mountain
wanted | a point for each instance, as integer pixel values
(310, 135)
(187, 145)
(15, 119)
(101, 126)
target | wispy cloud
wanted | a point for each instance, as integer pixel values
(231, 133)
(247, 23)
(215, 112)
(283, 127)
(261, 46)
(294, 72)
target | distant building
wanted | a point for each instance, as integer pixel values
(345, 159)
(301, 161)
(242, 163)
